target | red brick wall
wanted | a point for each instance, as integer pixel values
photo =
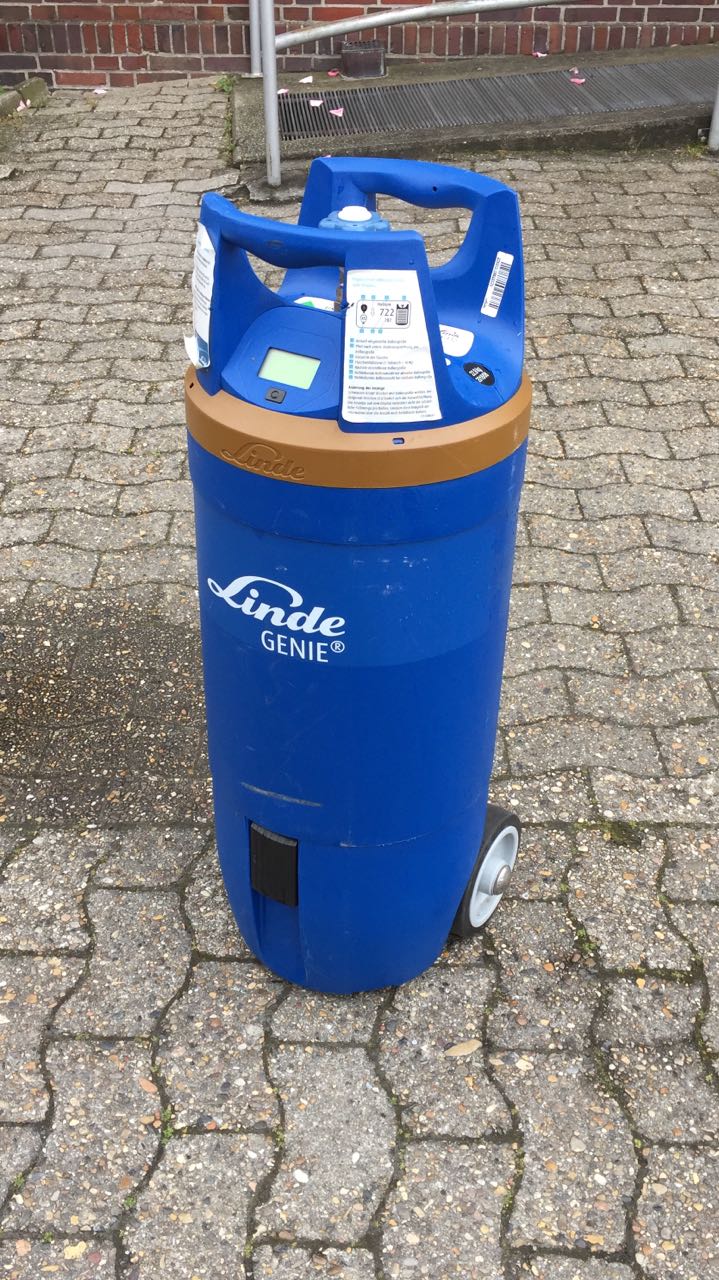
(103, 42)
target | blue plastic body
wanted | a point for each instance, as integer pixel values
(353, 639)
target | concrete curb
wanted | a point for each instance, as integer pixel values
(9, 103)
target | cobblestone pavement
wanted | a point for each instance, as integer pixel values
(167, 1108)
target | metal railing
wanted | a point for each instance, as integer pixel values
(263, 59)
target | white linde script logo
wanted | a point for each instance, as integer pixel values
(304, 624)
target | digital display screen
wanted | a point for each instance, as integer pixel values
(289, 368)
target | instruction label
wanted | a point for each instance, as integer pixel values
(497, 284)
(203, 278)
(388, 374)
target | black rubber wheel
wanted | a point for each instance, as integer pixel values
(493, 868)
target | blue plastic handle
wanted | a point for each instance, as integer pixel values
(337, 181)
(288, 245)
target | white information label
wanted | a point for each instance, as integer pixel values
(388, 374)
(203, 279)
(497, 284)
(455, 342)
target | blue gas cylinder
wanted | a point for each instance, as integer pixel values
(357, 442)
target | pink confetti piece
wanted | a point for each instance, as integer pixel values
(316, 102)
(536, 53)
(306, 80)
(577, 80)
(333, 72)
(281, 91)
(21, 106)
(337, 111)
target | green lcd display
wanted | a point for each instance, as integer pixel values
(289, 368)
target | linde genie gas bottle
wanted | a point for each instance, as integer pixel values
(357, 444)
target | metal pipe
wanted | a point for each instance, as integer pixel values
(713, 139)
(269, 92)
(255, 39)
(388, 18)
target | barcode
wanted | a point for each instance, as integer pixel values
(497, 284)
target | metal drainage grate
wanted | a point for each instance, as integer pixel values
(519, 98)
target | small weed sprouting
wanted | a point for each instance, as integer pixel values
(628, 834)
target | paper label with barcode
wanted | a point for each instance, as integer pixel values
(497, 284)
(203, 280)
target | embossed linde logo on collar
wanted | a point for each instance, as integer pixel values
(265, 460)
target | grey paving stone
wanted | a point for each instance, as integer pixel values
(621, 611)
(441, 1095)
(613, 533)
(690, 751)
(544, 855)
(649, 801)
(139, 962)
(211, 1051)
(191, 1220)
(692, 869)
(542, 499)
(339, 1138)
(617, 440)
(613, 893)
(694, 537)
(311, 1015)
(40, 895)
(101, 1143)
(558, 797)
(17, 529)
(699, 923)
(526, 605)
(636, 499)
(144, 470)
(30, 989)
(48, 563)
(159, 564)
(213, 925)
(579, 1155)
(677, 1221)
(545, 564)
(110, 533)
(19, 1146)
(444, 1214)
(66, 1259)
(543, 646)
(146, 856)
(668, 649)
(576, 743)
(648, 1011)
(669, 1094)
(534, 696)
(640, 700)
(57, 494)
(699, 605)
(558, 1268)
(626, 569)
(576, 473)
(548, 994)
(285, 1262)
